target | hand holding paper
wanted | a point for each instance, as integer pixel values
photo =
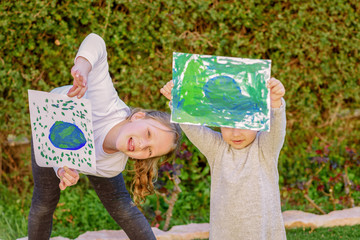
(68, 177)
(166, 89)
(277, 91)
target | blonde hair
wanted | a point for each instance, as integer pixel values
(145, 170)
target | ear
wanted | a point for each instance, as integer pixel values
(137, 116)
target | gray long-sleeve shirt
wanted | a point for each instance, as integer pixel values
(245, 196)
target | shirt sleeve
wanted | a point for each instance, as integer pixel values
(101, 92)
(205, 139)
(56, 171)
(93, 48)
(271, 142)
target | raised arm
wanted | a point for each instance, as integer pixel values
(205, 139)
(272, 142)
(91, 76)
(91, 52)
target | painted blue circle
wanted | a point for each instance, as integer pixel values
(67, 136)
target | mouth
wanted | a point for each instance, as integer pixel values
(237, 142)
(131, 146)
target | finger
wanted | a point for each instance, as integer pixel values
(73, 71)
(170, 84)
(70, 171)
(71, 92)
(82, 92)
(78, 77)
(280, 92)
(74, 176)
(67, 182)
(272, 79)
(273, 83)
(164, 91)
(72, 180)
(166, 94)
(62, 185)
(168, 88)
(69, 177)
(75, 92)
(79, 80)
(72, 89)
(276, 88)
(277, 95)
(61, 172)
(84, 81)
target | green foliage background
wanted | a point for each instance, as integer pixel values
(314, 47)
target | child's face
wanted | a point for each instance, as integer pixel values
(144, 138)
(238, 138)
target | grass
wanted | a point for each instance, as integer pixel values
(335, 233)
(80, 210)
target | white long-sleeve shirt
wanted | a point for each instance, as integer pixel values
(245, 196)
(107, 108)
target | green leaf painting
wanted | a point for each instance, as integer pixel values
(62, 132)
(221, 91)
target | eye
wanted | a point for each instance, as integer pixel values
(149, 134)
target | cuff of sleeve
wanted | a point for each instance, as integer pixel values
(85, 54)
(56, 171)
(281, 108)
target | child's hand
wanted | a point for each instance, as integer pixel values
(80, 72)
(277, 91)
(68, 177)
(166, 89)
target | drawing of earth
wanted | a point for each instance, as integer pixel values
(67, 136)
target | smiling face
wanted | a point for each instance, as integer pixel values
(143, 138)
(238, 138)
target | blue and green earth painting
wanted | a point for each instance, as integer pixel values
(221, 91)
(62, 131)
(67, 136)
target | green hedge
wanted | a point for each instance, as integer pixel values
(313, 45)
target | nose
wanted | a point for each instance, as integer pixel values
(236, 132)
(143, 144)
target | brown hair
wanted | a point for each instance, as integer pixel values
(145, 170)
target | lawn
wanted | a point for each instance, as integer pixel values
(335, 233)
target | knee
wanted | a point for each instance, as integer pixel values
(125, 210)
(43, 204)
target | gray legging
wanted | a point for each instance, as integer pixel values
(111, 191)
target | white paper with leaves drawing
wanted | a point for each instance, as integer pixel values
(62, 131)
